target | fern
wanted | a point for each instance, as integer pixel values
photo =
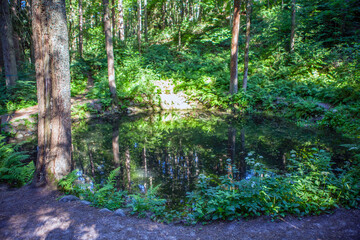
(13, 168)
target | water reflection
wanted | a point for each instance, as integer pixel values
(172, 150)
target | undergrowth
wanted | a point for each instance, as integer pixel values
(14, 169)
(310, 185)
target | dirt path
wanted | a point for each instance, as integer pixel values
(27, 113)
(30, 213)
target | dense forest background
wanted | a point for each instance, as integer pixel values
(188, 43)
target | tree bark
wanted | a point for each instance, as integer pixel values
(80, 29)
(110, 53)
(139, 24)
(293, 23)
(146, 21)
(7, 43)
(53, 90)
(121, 25)
(247, 45)
(113, 17)
(234, 49)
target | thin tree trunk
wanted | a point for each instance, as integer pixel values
(121, 26)
(92, 166)
(53, 90)
(234, 49)
(113, 17)
(145, 167)
(139, 24)
(231, 143)
(180, 23)
(200, 11)
(247, 45)
(7, 43)
(1, 61)
(110, 53)
(16, 38)
(293, 23)
(115, 145)
(127, 168)
(146, 21)
(80, 29)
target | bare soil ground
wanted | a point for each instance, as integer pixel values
(30, 213)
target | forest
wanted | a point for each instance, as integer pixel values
(101, 74)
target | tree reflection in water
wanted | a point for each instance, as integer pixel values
(172, 149)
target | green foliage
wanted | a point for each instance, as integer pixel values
(311, 186)
(100, 195)
(14, 170)
(148, 202)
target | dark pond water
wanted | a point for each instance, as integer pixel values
(172, 149)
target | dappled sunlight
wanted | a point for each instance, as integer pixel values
(88, 232)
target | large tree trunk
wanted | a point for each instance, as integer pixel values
(247, 45)
(293, 23)
(7, 43)
(80, 29)
(139, 24)
(234, 49)
(53, 89)
(110, 53)
(121, 25)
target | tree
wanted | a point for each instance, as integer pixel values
(292, 36)
(121, 21)
(139, 24)
(52, 67)
(234, 49)
(247, 44)
(110, 53)
(80, 29)
(7, 42)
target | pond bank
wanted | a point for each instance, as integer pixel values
(29, 213)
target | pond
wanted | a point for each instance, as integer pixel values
(173, 148)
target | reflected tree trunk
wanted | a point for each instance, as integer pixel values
(115, 145)
(247, 45)
(231, 143)
(145, 167)
(234, 49)
(242, 163)
(7, 43)
(91, 159)
(53, 91)
(127, 168)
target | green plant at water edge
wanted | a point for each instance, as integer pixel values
(311, 186)
(14, 170)
(148, 202)
(106, 195)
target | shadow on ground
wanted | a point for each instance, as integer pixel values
(29, 213)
